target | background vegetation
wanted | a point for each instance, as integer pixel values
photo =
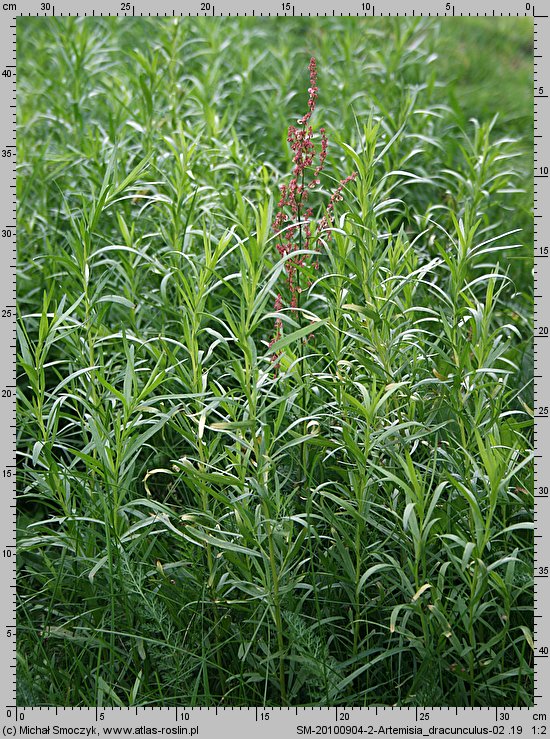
(196, 528)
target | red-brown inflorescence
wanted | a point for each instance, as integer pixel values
(328, 219)
(292, 207)
(293, 222)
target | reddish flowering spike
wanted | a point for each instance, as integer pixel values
(293, 222)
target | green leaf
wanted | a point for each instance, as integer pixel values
(296, 336)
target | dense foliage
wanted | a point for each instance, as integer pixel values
(240, 489)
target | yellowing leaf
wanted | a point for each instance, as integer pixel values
(419, 592)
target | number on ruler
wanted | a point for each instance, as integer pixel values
(15, 713)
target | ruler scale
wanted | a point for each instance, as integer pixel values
(541, 471)
(295, 721)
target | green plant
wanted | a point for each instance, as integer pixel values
(195, 529)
